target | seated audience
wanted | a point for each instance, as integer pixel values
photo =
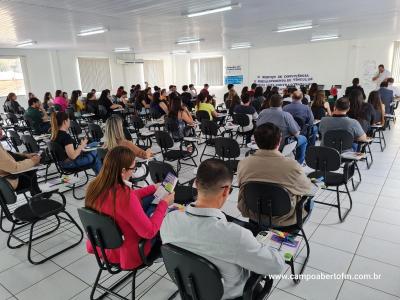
(361, 111)
(340, 121)
(192, 90)
(245, 90)
(120, 90)
(231, 248)
(386, 97)
(298, 110)
(319, 107)
(76, 102)
(312, 92)
(60, 101)
(16, 163)
(374, 99)
(11, 104)
(71, 158)
(163, 95)
(286, 123)
(110, 195)
(182, 116)
(355, 86)
(232, 100)
(114, 136)
(159, 107)
(106, 100)
(47, 101)
(229, 87)
(38, 116)
(252, 89)
(202, 104)
(92, 105)
(306, 98)
(281, 170)
(395, 89)
(205, 90)
(258, 99)
(246, 109)
(187, 97)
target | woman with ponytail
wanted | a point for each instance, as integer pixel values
(71, 158)
(109, 195)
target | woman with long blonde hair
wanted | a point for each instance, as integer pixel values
(109, 195)
(114, 136)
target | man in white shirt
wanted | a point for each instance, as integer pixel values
(381, 76)
(395, 89)
(204, 230)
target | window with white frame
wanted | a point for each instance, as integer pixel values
(207, 70)
(396, 62)
(11, 76)
(94, 73)
(153, 71)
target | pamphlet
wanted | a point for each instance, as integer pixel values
(166, 188)
(286, 244)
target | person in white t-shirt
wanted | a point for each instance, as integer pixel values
(381, 76)
(395, 89)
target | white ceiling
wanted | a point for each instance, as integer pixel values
(155, 25)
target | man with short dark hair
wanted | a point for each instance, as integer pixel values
(381, 76)
(231, 248)
(298, 110)
(395, 89)
(192, 90)
(270, 165)
(286, 123)
(229, 86)
(246, 109)
(38, 116)
(355, 86)
(187, 98)
(205, 90)
(386, 97)
(340, 121)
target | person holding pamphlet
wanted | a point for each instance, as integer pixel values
(110, 195)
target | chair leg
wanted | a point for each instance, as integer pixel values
(96, 282)
(338, 204)
(133, 284)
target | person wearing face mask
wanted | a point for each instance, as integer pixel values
(109, 194)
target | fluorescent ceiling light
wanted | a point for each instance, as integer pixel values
(241, 46)
(212, 11)
(123, 49)
(295, 27)
(188, 41)
(324, 38)
(92, 31)
(180, 52)
(26, 43)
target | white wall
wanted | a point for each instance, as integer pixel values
(333, 62)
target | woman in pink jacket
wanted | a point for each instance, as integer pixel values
(108, 194)
(60, 101)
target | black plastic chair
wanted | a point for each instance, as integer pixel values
(198, 279)
(326, 162)
(305, 129)
(378, 135)
(210, 131)
(76, 131)
(269, 200)
(71, 113)
(228, 150)
(38, 208)
(56, 152)
(15, 139)
(29, 124)
(202, 115)
(103, 233)
(242, 120)
(138, 124)
(165, 142)
(342, 140)
(95, 132)
(184, 194)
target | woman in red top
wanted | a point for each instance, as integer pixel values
(109, 194)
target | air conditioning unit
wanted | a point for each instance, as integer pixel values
(129, 61)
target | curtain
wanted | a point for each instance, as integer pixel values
(94, 73)
(396, 62)
(207, 70)
(153, 71)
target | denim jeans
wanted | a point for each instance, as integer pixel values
(313, 139)
(301, 148)
(85, 159)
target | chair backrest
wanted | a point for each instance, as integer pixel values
(102, 111)
(75, 128)
(155, 113)
(241, 119)
(71, 113)
(28, 122)
(7, 197)
(227, 147)
(102, 231)
(95, 131)
(164, 140)
(30, 143)
(202, 115)
(137, 122)
(56, 151)
(209, 128)
(196, 277)
(323, 159)
(159, 170)
(339, 140)
(12, 118)
(268, 199)
(15, 139)
(300, 122)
